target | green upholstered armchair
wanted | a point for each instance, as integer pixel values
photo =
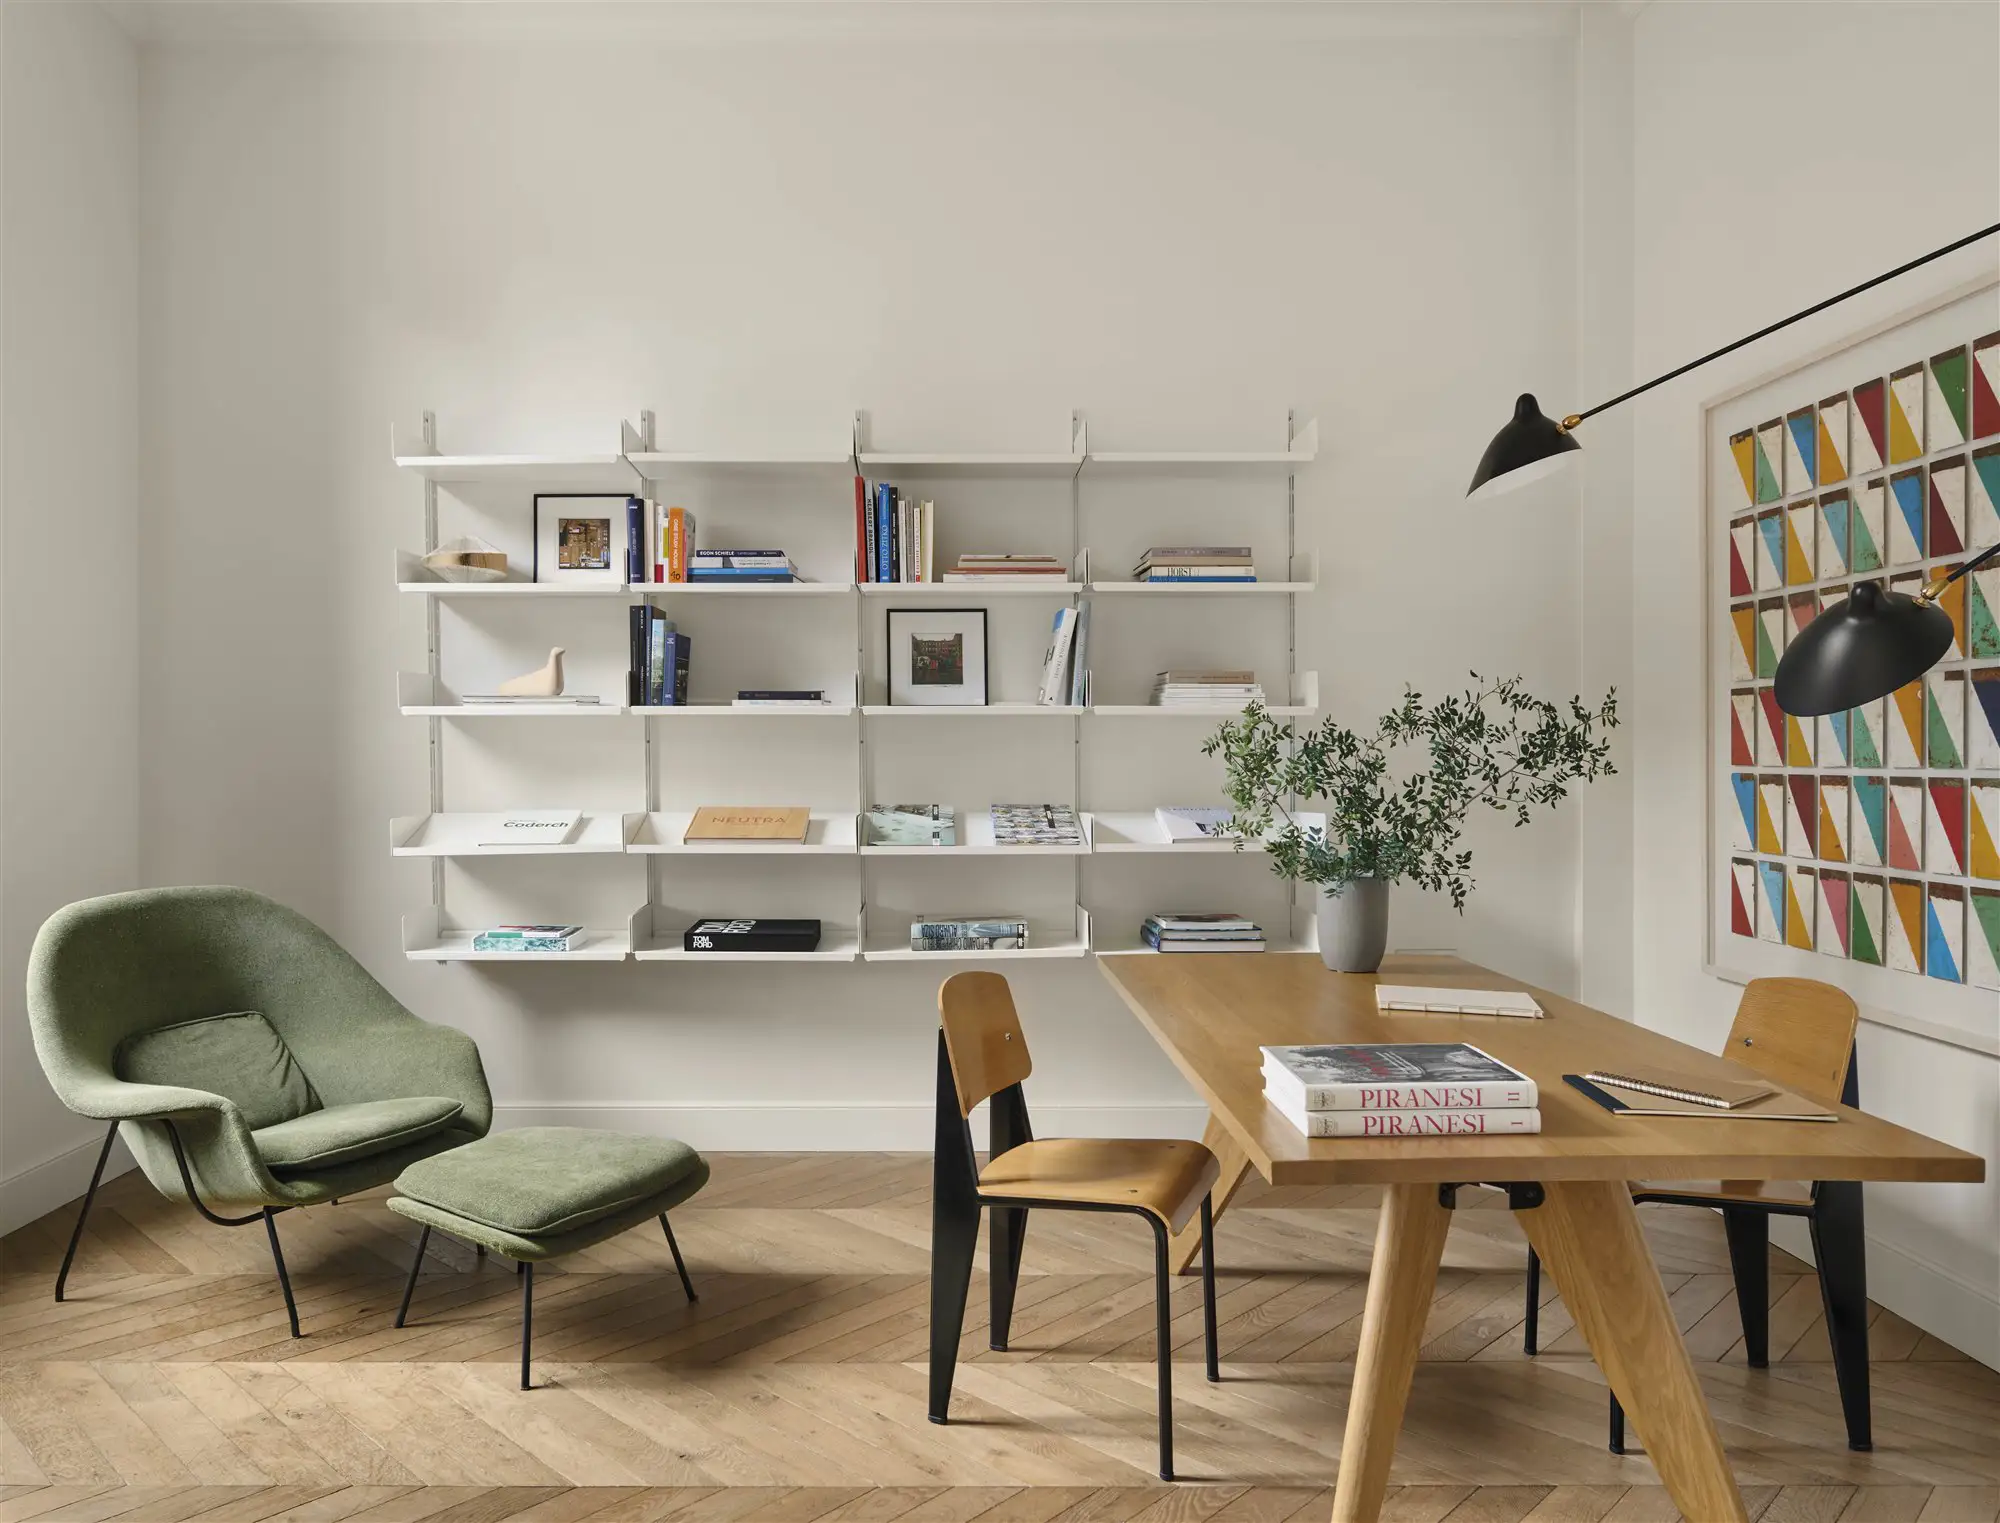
(249, 1060)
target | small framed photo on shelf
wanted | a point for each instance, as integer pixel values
(580, 539)
(937, 656)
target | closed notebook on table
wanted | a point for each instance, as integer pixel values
(1775, 1105)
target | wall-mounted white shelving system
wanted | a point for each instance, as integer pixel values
(812, 480)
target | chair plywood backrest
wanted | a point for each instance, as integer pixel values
(982, 1036)
(1797, 1032)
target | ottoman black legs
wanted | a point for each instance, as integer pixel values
(410, 1286)
(527, 1316)
(679, 1263)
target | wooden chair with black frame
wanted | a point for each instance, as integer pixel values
(1799, 1034)
(982, 1055)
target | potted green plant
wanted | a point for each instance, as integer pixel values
(1493, 746)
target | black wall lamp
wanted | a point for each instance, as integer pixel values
(1871, 643)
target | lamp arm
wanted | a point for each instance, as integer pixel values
(1934, 589)
(1901, 269)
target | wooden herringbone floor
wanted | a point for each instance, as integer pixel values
(167, 1389)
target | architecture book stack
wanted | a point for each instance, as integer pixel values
(894, 536)
(660, 656)
(1017, 569)
(1201, 931)
(969, 933)
(1036, 825)
(1195, 563)
(529, 938)
(1398, 1089)
(910, 825)
(737, 568)
(1183, 689)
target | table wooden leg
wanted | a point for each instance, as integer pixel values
(1587, 1233)
(1186, 1243)
(1409, 1242)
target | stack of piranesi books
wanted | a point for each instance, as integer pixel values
(1203, 931)
(1196, 564)
(1398, 1089)
(738, 567)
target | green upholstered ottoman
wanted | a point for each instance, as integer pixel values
(543, 1191)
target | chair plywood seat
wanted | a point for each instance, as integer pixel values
(1167, 1179)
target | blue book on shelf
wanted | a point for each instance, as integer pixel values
(885, 530)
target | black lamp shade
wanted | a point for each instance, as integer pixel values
(1868, 644)
(1531, 446)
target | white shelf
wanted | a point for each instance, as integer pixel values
(1046, 939)
(966, 710)
(1304, 702)
(418, 694)
(661, 832)
(1285, 462)
(1060, 466)
(975, 832)
(425, 939)
(840, 706)
(837, 943)
(413, 576)
(742, 590)
(723, 465)
(1140, 831)
(1014, 587)
(1303, 577)
(459, 835)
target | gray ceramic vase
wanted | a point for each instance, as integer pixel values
(1354, 925)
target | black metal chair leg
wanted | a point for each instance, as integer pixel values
(519, 1265)
(1840, 1250)
(954, 1235)
(284, 1280)
(1007, 1233)
(1208, 1287)
(1749, 1234)
(1164, 1315)
(1531, 1326)
(527, 1318)
(679, 1263)
(76, 1234)
(410, 1285)
(1617, 1427)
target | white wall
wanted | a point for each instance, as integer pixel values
(968, 239)
(69, 489)
(1752, 200)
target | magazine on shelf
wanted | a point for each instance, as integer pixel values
(531, 827)
(911, 825)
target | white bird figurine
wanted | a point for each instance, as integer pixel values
(545, 681)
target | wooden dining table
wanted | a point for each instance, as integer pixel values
(1569, 1185)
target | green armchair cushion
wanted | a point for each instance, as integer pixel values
(338, 1133)
(544, 1181)
(239, 1056)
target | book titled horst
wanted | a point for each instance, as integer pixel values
(1381, 1076)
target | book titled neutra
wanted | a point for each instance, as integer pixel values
(1393, 1076)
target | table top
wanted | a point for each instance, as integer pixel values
(1212, 1014)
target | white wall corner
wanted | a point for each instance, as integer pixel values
(1924, 1294)
(56, 1182)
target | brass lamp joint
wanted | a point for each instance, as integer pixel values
(1933, 590)
(1569, 423)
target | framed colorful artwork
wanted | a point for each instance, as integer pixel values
(1860, 848)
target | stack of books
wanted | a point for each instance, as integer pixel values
(1007, 568)
(1398, 1089)
(1190, 689)
(670, 536)
(529, 938)
(780, 698)
(1202, 931)
(969, 933)
(736, 567)
(1036, 825)
(894, 538)
(1195, 563)
(660, 656)
(911, 825)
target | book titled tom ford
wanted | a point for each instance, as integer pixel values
(1399, 1076)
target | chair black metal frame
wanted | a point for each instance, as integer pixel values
(956, 1202)
(1834, 1214)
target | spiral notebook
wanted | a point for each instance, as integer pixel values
(1654, 1092)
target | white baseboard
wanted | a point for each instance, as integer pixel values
(1943, 1305)
(838, 1128)
(48, 1186)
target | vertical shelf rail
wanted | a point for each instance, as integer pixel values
(1292, 635)
(433, 663)
(1078, 443)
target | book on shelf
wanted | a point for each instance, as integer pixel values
(717, 934)
(1173, 689)
(780, 698)
(661, 656)
(1055, 684)
(1179, 944)
(638, 514)
(911, 825)
(517, 700)
(969, 933)
(1378, 1076)
(1007, 568)
(1035, 825)
(1193, 555)
(673, 543)
(1079, 659)
(530, 938)
(1198, 574)
(1441, 1001)
(1195, 822)
(748, 822)
(861, 566)
(1201, 931)
(531, 827)
(741, 566)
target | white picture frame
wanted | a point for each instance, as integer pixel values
(566, 549)
(937, 657)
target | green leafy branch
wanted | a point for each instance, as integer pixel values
(1494, 746)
